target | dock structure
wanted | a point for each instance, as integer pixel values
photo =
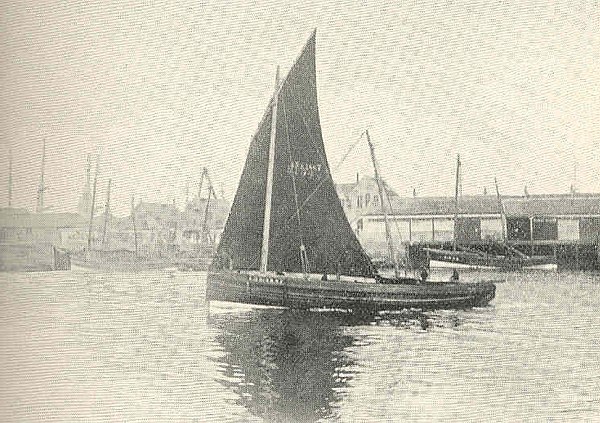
(564, 225)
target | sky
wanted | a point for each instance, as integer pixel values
(161, 89)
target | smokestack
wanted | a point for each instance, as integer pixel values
(357, 177)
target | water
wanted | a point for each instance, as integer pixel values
(144, 347)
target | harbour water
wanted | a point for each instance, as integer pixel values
(78, 346)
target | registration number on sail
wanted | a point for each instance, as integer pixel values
(306, 170)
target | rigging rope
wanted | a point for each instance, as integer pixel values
(324, 178)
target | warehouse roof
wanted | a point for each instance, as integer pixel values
(551, 205)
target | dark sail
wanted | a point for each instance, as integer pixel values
(242, 237)
(305, 208)
(302, 179)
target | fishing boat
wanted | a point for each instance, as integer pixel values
(110, 259)
(201, 253)
(491, 255)
(466, 258)
(121, 260)
(287, 241)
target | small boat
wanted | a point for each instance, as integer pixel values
(114, 260)
(287, 241)
(493, 256)
(118, 261)
(475, 259)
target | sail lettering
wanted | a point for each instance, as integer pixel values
(306, 170)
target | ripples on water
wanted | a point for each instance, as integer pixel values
(145, 347)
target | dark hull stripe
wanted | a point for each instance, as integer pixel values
(294, 293)
(499, 262)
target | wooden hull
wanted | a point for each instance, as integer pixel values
(356, 296)
(468, 260)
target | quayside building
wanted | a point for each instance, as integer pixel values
(564, 225)
(28, 241)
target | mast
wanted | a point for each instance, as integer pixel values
(93, 205)
(106, 215)
(211, 187)
(388, 233)
(85, 198)
(135, 238)
(200, 186)
(502, 214)
(456, 200)
(10, 181)
(264, 252)
(42, 187)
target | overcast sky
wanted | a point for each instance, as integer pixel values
(162, 89)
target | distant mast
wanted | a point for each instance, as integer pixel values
(40, 193)
(264, 254)
(457, 193)
(106, 215)
(135, 237)
(10, 180)
(211, 191)
(200, 185)
(83, 206)
(380, 186)
(93, 205)
(205, 226)
(502, 213)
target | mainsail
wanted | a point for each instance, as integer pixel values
(308, 229)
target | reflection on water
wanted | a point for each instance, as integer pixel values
(294, 365)
(284, 363)
(143, 347)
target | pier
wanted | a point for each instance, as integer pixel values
(566, 226)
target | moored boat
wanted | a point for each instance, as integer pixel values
(287, 241)
(457, 259)
(118, 261)
(496, 255)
